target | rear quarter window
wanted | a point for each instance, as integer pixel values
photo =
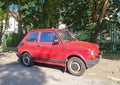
(32, 37)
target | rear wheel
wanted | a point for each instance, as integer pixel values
(27, 60)
(76, 66)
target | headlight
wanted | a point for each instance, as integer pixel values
(92, 53)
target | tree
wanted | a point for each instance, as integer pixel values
(98, 10)
(5, 6)
(2, 16)
(75, 13)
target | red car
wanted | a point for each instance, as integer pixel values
(58, 47)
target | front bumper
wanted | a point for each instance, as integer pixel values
(90, 63)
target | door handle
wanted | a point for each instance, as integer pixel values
(38, 45)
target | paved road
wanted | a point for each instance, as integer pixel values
(106, 72)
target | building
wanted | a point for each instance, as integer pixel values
(9, 26)
(12, 26)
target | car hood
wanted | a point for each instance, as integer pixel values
(78, 45)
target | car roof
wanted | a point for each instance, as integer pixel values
(46, 29)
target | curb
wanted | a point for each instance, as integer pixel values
(8, 49)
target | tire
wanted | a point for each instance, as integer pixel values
(76, 66)
(27, 60)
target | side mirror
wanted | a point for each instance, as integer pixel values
(55, 41)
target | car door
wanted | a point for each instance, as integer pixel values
(49, 51)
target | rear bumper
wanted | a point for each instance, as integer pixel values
(90, 63)
(18, 55)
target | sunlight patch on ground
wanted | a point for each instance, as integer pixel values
(113, 78)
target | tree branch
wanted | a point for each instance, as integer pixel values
(103, 10)
(94, 18)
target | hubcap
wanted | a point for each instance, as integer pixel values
(75, 66)
(26, 60)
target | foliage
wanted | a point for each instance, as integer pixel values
(82, 35)
(87, 18)
(46, 13)
(85, 34)
(76, 13)
(2, 14)
(12, 40)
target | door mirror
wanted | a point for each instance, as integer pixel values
(55, 41)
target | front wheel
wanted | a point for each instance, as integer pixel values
(27, 60)
(76, 66)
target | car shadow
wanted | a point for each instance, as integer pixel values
(111, 56)
(16, 74)
(62, 69)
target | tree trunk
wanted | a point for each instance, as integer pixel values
(94, 33)
(1, 27)
(94, 18)
(103, 10)
(98, 20)
(20, 32)
(19, 19)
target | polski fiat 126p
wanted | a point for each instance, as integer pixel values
(58, 47)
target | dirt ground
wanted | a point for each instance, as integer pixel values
(106, 72)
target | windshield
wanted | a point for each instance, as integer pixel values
(66, 35)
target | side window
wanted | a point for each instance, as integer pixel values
(32, 37)
(47, 36)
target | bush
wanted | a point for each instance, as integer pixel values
(82, 35)
(105, 46)
(12, 40)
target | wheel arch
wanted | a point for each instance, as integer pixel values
(25, 52)
(29, 59)
(77, 57)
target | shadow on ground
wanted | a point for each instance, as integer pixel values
(50, 66)
(16, 74)
(2, 55)
(111, 56)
